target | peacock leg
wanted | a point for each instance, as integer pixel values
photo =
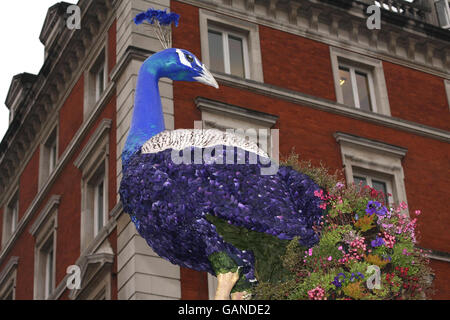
(226, 282)
(227, 272)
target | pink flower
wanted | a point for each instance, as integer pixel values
(417, 212)
(330, 258)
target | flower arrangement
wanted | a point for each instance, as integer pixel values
(366, 249)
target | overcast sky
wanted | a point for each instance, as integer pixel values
(21, 22)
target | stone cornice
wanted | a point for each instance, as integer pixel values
(63, 63)
(12, 263)
(392, 150)
(332, 107)
(205, 104)
(344, 26)
(52, 203)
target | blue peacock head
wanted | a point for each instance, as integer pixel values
(178, 65)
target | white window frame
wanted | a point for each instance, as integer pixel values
(374, 67)
(370, 176)
(377, 158)
(236, 27)
(353, 70)
(48, 155)
(8, 279)
(10, 217)
(44, 231)
(93, 162)
(97, 227)
(447, 89)
(100, 82)
(226, 49)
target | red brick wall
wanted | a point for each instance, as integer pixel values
(112, 40)
(442, 283)
(71, 116)
(28, 184)
(296, 63)
(417, 96)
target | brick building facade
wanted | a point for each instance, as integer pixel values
(374, 103)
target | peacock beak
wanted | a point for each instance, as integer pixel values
(207, 78)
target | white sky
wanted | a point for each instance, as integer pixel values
(20, 25)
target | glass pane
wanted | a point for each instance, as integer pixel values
(100, 206)
(346, 86)
(49, 273)
(236, 56)
(362, 82)
(100, 83)
(380, 186)
(360, 181)
(216, 59)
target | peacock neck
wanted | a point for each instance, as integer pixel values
(148, 119)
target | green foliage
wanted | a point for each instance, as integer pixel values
(351, 241)
(267, 249)
(222, 263)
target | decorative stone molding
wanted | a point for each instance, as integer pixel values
(207, 105)
(52, 204)
(344, 26)
(376, 157)
(8, 278)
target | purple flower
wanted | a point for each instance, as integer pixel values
(375, 207)
(378, 242)
(337, 281)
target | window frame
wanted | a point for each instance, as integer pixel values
(209, 19)
(10, 219)
(370, 176)
(374, 67)
(8, 279)
(44, 231)
(93, 162)
(374, 157)
(225, 33)
(353, 70)
(47, 160)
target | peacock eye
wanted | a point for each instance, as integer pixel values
(189, 58)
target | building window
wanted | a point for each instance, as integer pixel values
(230, 46)
(48, 156)
(44, 231)
(359, 81)
(11, 218)
(48, 260)
(96, 80)
(378, 181)
(228, 52)
(374, 163)
(8, 280)
(93, 163)
(357, 88)
(96, 188)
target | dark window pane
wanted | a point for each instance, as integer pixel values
(346, 86)
(360, 180)
(362, 83)
(380, 186)
(236, 56)
(100, 198)
(215, 51)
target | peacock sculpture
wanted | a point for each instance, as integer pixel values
(220, 215)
